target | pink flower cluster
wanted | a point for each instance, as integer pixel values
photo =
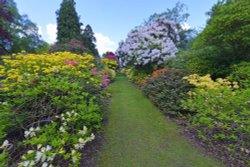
(105, 80)
(71, 63)
(94, 71)
(111, 56)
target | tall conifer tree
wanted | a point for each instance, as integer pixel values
(68, 24)
(89, 40)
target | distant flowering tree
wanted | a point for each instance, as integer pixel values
(110, 55)
(150, 44)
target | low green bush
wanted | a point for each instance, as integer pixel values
(167, 89)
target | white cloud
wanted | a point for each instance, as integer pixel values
(40, 30)
(51, 31)
(185, 26)
(104, 43)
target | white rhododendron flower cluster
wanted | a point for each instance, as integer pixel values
(152, 43)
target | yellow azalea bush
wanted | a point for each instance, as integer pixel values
(207, 82)
(19, 67)
(110, 63)
(54, 102)
(221, 112)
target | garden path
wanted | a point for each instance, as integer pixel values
(138, 135)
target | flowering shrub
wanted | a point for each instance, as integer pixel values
(166, 88)
(155, 74)
(110, 55)
(136, 76)
(107, 75)
(51, 104)
(110, 63)
(73, 46)
(222, 112)
(151, 44)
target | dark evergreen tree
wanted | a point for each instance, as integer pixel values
(89, 41)
(68, 24)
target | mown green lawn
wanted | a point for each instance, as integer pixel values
(138, 135)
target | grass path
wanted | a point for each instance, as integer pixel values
(138, 135)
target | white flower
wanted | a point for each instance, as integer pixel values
(32, 163)
(30, 151)
(5, 144)
(5, 103)
(79, 146)
(61, 129)
(45, 164)
(38, 156)
(73, 151)
(84, 131)
(39, 146)
(81, 140)
(25, 163)
(43, 149)
(74, 159)
(30, 132)
(68, 113)
(51, 158)
(31, 129)
(37, 128)
(48, 148)
(26, 134)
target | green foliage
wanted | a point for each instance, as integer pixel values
(5, 120)
(167, 91)
(225, 40)
(54, 94)
(68, 24)
(222, 113)
(4, 159)
(241, 74)
(17, 32)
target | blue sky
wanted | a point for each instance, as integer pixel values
(111, 20)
